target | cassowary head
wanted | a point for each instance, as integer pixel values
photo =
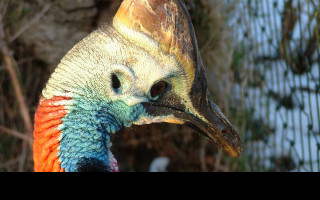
(144, 68)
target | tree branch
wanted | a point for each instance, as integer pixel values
(16, 134)
(10, 64)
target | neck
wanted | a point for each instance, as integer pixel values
(84, 133)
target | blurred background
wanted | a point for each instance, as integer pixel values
(262, 62)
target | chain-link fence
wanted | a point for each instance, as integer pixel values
(276, 66)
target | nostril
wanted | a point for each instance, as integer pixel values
(225, 131)
(229, 132)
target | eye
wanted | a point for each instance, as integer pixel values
(116, 84)
(158, 88)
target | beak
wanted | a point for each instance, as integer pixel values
(212, 124)
(216, 127)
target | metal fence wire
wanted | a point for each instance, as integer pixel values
(276, 65)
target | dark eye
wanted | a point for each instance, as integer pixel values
(158, 88)
(116, 84)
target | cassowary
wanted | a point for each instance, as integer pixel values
(143, 68)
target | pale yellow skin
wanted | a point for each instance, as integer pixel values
(140, 62)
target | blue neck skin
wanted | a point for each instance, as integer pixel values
(85, 141)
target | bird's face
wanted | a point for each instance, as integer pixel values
(145, 68)
(166, 74)
(161, 85)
